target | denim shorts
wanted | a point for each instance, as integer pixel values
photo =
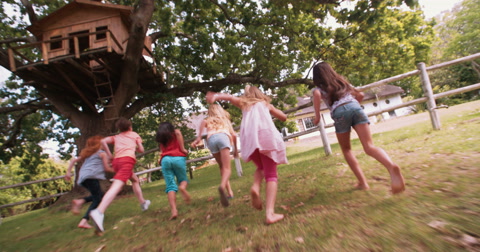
(218, 142)
(347, 116)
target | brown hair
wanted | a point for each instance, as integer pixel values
(123, 124)
(335, 85)
(92, 146)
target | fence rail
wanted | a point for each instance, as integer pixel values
(429, 98)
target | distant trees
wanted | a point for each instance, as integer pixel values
(457, 31)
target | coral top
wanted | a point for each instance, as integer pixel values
(126, 144)
(257, 131)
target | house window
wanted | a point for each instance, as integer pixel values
(308, 123)
(102, 35)
(387, 101)
(56, 44)
(375, 104)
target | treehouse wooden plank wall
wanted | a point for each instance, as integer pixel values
(86, 21)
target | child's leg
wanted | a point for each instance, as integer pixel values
(112, 192)
(172, 201)
(93, 186)
(183, 190)
(363, 132)
(223, 159)
(137, 190)
(84, 224)
(344, 141)
(270, 172)
(257, 181)
(271, 196)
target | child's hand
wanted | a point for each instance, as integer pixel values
(210, 97)
(68, 177)
(316, 121)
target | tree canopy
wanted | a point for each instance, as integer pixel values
(214, 45)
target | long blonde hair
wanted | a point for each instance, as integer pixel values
(251, 96)
(218, 118)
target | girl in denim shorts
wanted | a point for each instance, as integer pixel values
(220, 137)
(343, 100)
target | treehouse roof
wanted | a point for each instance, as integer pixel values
(73, 13)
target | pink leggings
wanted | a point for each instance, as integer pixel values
(266, 165)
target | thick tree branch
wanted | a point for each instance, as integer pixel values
(31, 105)
(30, 11)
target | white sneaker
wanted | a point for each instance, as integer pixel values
(145, 205)
(97, 218)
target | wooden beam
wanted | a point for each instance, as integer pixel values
(75, 88)
(45, 53)
(13, 67)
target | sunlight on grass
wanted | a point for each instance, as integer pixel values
(439, 211)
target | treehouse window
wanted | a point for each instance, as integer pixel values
(56, 44)
(83, 41)
(103, 35)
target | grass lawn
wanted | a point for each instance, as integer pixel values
(439, 211)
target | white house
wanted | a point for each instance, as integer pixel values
(375, 99)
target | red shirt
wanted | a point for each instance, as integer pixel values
(172, 149)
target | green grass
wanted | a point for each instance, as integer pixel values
(323, 212)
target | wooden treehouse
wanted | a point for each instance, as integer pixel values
(80, 52)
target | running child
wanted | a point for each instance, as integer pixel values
(260, 142)
(95, 164)
(126, 143)
(173, 161)
(343, 100)
(220, 138)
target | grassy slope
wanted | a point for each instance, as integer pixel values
(323, 213)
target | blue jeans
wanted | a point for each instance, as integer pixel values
(174, 167)
(93, 186)
(347, 116)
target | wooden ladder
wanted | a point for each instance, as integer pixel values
(103, 86)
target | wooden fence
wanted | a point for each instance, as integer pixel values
(429, 98)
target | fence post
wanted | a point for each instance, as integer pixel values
(323, 134)
(428, 92)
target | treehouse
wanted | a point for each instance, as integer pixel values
(79, 53)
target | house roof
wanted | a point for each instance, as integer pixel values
(382, 91)
(63, 12)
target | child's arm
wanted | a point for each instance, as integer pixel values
(199, 135)
(68, 175)
(317, 100)
(277, 113)
(358, 95)
(179, 136)
(213, 97)
(140, 148)
(106, 162)
(105, 142)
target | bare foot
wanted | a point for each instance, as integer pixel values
(274, 218)
(86, 226)
(76, 205)
(362, 186)
(174, 215)
(398, 183)
(223, 197)
(185, 195)
(256, 201)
